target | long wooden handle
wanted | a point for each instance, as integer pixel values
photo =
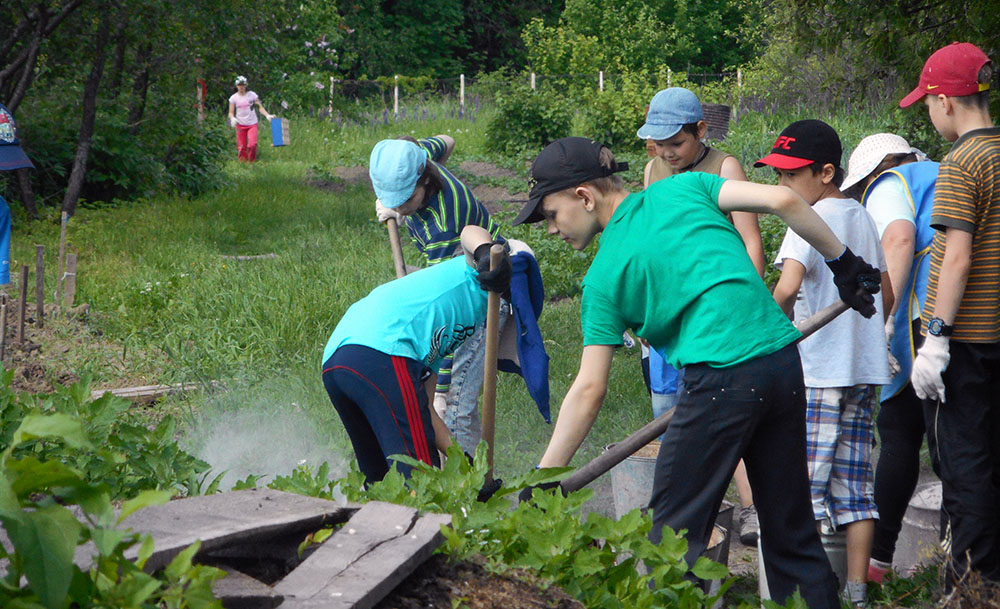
(617, 453)
(490, 365)
(397, 248)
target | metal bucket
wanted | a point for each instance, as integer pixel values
(920, 534)
(632, 479)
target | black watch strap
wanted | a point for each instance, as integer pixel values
(937, 327)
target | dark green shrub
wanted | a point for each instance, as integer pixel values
(527, 120)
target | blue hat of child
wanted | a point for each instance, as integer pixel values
(11, 155)
(394, 167)
(670, 110)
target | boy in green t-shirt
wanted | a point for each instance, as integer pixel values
(678, 275)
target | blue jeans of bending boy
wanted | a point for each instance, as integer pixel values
(755, 411)
(462, 410)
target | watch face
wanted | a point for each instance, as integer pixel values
(937, 327)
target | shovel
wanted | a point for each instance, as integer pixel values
(618, 452)
(397, 248)
(490, 365)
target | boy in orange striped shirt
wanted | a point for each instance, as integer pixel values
(957, 370)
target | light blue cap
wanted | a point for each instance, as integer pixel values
(670, 110)
(394, 167)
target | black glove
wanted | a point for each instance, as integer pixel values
(489, 487)
(497, 280)
(527, 491)
(856, 281)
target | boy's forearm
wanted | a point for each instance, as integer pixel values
(954, 274)
(898, 242)
(580, 406)
(784, 203)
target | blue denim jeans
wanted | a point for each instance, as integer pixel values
(462, 412)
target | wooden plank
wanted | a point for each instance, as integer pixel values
(224, 519)
(240, 591)
(40, 285)
(22, 305)
(374, 524)
(62, 254)
(373, 574)
(253, 257)
(148, 393)
(69, 288)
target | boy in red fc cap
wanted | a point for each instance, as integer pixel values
(845, 362)
(957, 370)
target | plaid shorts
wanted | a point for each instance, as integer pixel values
(839, 435)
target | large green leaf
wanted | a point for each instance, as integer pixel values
(61, 426)
(29, 475)
(144, 500)
(46, 538)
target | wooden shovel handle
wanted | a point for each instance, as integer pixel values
(397, 248)
(616, 453)
(490, 365)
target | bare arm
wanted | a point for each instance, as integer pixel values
(232, 109)
(954, 274)
(442, 436)
(449, 147)
(580, 406)
(888, 297)
(745, 222)
(645, 174)
(790, 207)
(898, 241)
(472, 237)
(787, 290)
(265, 112)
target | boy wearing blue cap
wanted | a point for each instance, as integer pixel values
(379, 364)
(675, 127)
(674, 270)
(417, 190)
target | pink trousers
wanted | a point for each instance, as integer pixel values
(246, 142)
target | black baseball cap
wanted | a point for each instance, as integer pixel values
(564, 163)
(803, 143)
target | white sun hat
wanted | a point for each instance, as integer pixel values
(869, 153)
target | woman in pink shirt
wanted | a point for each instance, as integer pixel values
(244, 119)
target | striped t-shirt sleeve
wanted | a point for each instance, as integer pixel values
(967, 198)
(434, 146)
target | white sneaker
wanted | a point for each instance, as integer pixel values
(748, 526)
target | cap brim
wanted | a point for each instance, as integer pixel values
(914, 96)
(658, 132)
(781, 161)
(529, 213)
(12, 157)
(851, 180)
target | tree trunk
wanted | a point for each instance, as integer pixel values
(118, 58)
(139, 89)
(86, 136)
(17, 96)
(27, 194)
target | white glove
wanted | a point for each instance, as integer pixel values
(890, 331)
(932, 359)
(232, 122)
(384, 213)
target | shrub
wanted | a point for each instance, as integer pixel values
(527, 120)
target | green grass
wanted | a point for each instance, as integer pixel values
(157, 281)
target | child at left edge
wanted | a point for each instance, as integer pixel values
(379, 364)
(844, 362)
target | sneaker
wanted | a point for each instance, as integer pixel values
(748, 526)
(855, 594)
(877, 570)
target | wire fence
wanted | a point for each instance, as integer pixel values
(393, 94)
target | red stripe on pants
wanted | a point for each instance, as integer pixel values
(412, 409)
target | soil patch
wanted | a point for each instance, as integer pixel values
(496, 199)
(441, 584)
(485, 170)
(55, 354)
(354, 175)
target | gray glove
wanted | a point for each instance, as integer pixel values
(384, 213)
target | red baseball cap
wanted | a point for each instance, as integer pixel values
(952, 70)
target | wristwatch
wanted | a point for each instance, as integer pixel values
(937, 327)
